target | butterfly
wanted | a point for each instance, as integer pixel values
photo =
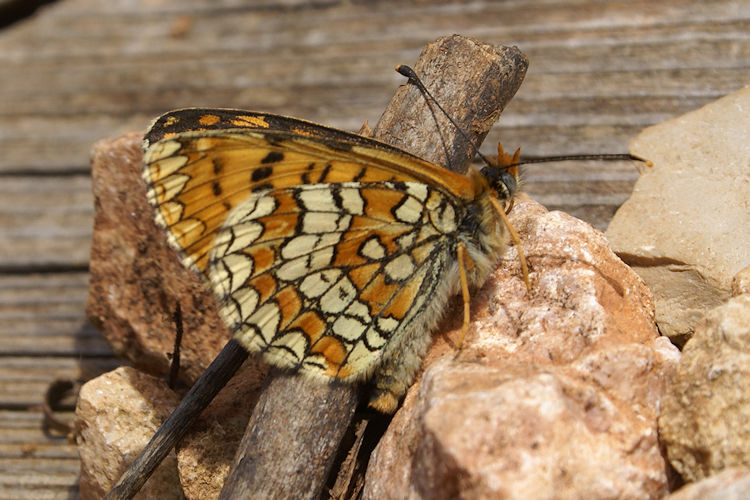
(329, 253)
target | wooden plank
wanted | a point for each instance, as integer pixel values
(43, 314)
(333, 64)
(33, 465)
(24, 380)
(45, 221)
(80, 70)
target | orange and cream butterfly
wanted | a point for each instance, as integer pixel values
(329, 253)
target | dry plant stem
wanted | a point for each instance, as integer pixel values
(296, 427)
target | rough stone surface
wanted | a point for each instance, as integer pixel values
(730, 484)
(116, 415)
(136, 279)
(686, 228)
(553, 395)
(705, 415)
(205, 454)
(741, 282)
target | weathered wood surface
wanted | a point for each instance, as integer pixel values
(80, 70)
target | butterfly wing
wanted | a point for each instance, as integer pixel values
(323, 247)
(195, 176)
(321, 277)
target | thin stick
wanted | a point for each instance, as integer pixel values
(174, 368)
(203, 391)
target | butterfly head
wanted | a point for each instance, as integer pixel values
(503, 177)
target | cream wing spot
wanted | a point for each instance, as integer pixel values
(220, 280)
(318, 222)
(324, 222)
(266, 319)
(387, 325)
(348, 328)
(293, 341)
(256, 206)
(299, 245)
(351, 201)
(343, 223)
(419, 191)
(433, 201)
(426, 231)
(360, 310)
(409, 211)
(242, 236)
(316, 284)
(160, 151)
(374, 339)
(171, 186)
(322, 258)
(293, 269)
(444, 218)
(247, 301)
(407, 240)
(240, 267)
(400, 268)
(338, 297)
(372, 249)
(317, 198)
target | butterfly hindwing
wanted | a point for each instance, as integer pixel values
(329, 252)
(326, 297)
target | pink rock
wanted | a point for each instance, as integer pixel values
(730, 484)
(136, 279)
(555, 394)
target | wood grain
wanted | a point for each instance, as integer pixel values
(80, 70)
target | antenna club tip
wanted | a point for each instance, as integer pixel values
(406, 71)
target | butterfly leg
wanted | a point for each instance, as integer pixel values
(516, 240)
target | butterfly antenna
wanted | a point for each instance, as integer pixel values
(584, 157)
(409, 73)
(415, 80)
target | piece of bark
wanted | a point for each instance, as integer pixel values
(473, 82)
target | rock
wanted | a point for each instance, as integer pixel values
(705, 415)
(730, 484)
(741, 282)
(136, 279)
(205, 454)
(116, 415)
(555, 394)
(686, 228)
(126, 407)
